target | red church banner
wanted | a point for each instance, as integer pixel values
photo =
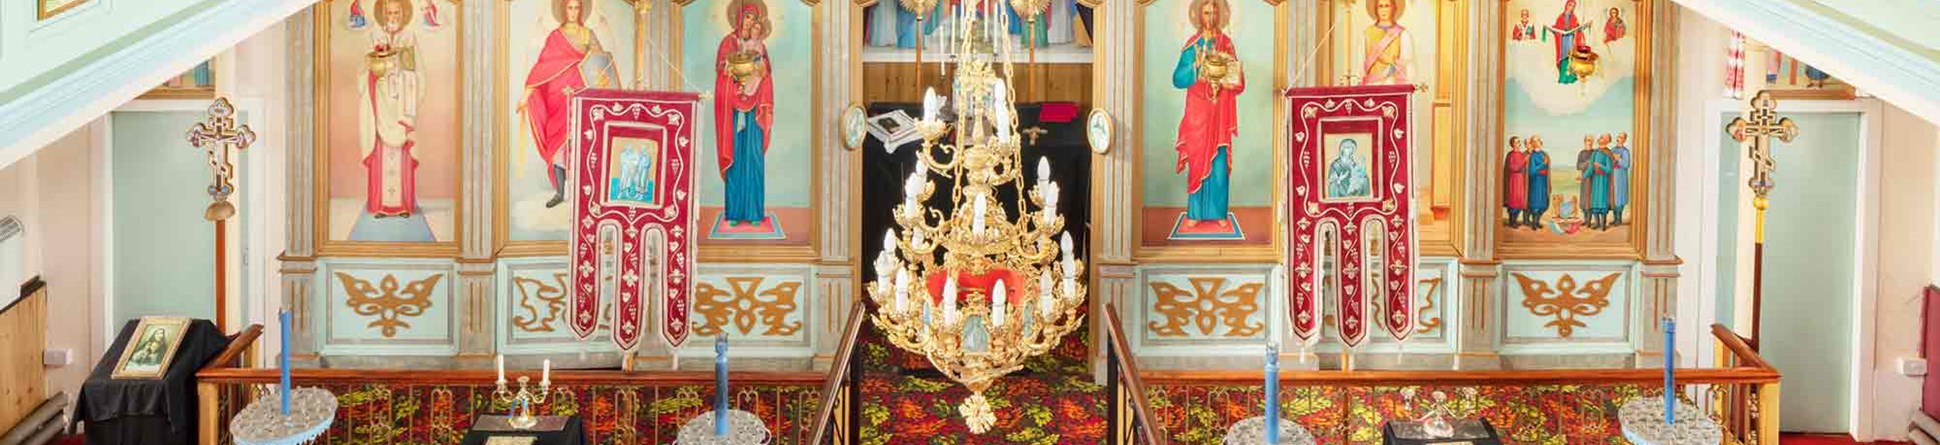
(633, 210)
(1349, 210)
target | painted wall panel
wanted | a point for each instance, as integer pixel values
(162, 247)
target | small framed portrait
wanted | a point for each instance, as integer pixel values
(152, 348)
(1098, 130)
(854, 129)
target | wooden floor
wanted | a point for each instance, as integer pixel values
(1821, 439)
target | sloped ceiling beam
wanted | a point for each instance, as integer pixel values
(1888, 66)
(39, 117)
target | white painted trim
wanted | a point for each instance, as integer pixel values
(1866, 274)
(104, 228)
(39, 117)
(100, 299)
(1907, 79)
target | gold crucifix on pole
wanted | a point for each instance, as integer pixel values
(221, 138)
(1756, 129)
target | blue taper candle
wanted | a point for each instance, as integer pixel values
(1670, 371)
(1272, 394)
(720, 386)
(283, 360)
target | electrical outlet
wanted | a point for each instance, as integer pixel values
(57, 357)
(1913, 366)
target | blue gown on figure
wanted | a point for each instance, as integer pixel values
(1620, 179)
(746, 178)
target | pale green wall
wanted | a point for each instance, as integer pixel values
(791, 163)
(1809, 266)
(163, 249)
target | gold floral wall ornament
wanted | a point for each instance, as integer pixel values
(542, 302)
(1568, 300)
(386, 300)
(747, 306)
(1429, 288)
(1206, 306)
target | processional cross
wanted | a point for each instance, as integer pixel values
(1756, 133)
(220, 138)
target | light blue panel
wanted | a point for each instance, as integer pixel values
(767, 281)
(1731, 185)
(1199, 309)
(791, 52)
(1167, 30)
(349, 332)
(1810, 269)
(163, 250)
(532, 309)
(1528, 290)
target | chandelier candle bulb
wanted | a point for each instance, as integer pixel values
(950, 298)
(997, 304)
(1043, 170)
(1045, 304)
(976, 218)
(902, 290)
(931, 104)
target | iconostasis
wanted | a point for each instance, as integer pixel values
(429, 219)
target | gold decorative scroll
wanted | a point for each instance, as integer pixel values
(387, 301)
(747, 306)
(1430, 288)
(1565, 301)
(1206, 306)
(551, 296)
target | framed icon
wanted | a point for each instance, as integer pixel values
(152, 347)
(854, 126)
(1098, 130)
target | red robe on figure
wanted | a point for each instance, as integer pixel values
(1211, 120)
(728, 99)
(1515, 181)
(548, 109)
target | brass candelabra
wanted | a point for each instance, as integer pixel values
(974, 287)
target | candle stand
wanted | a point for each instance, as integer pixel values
(522, 401)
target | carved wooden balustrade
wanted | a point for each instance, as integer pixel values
(438, 406)
(1131, 416)
(836, 425)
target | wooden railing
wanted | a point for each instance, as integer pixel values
(837, 423)
(1131, 415)
(1741, 393)
(648, 405)
(219, 403)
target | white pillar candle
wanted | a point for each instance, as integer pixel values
(501, 369)
(545, 372)
(997, 294)
(1070, 286)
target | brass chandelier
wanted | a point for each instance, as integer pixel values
(974, 288)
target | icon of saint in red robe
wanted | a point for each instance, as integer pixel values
(572, 60)
(1210, 74)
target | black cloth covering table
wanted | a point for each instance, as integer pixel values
(148, 411)
(571, 434)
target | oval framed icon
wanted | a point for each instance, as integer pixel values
(1098, 130)
(854, 127)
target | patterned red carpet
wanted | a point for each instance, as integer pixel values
(1054, 402)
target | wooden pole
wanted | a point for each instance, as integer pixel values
(222, 275)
